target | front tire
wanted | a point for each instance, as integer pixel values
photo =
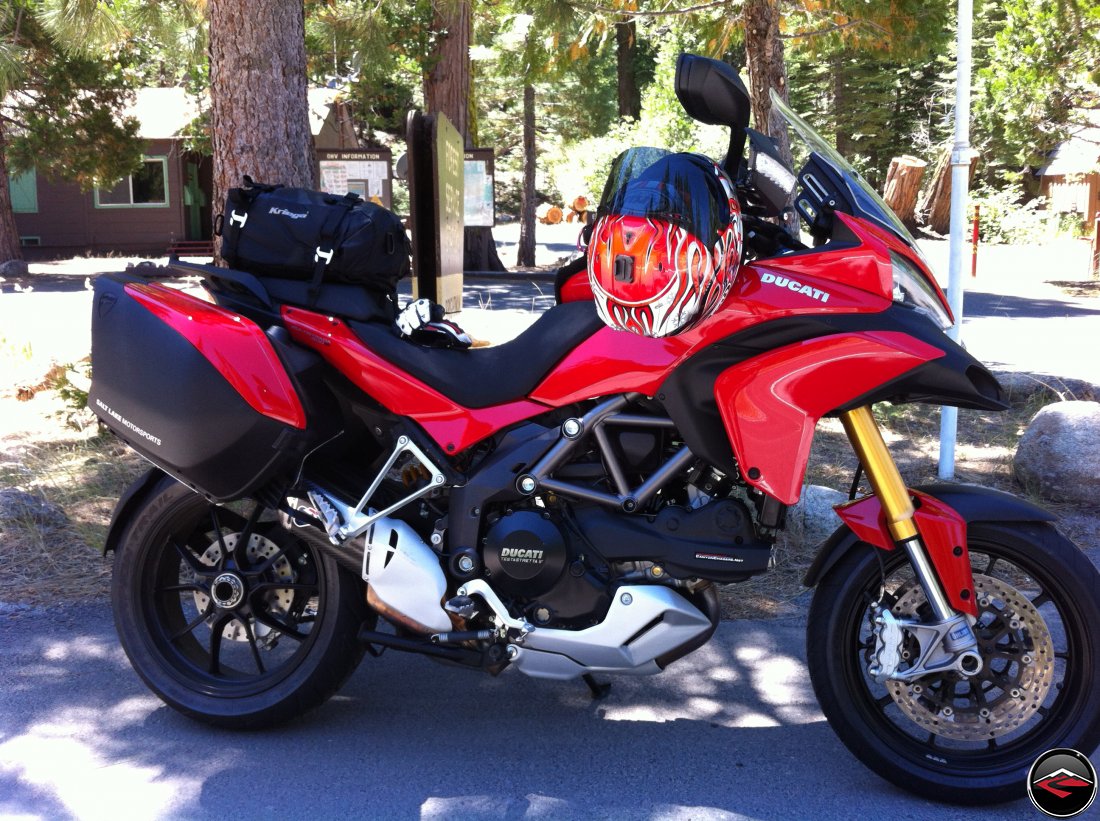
(945, 737)
(231, 623)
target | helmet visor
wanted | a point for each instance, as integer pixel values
(682, 189)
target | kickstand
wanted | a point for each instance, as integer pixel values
(598, 690)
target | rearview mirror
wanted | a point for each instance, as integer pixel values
(711, 92)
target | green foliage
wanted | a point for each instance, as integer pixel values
(1007, 217)
(63, 115)
(1036, 62)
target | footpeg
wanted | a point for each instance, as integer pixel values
(462, 606)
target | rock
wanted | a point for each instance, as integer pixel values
(813, 519)
(1020, 384)
(14, 268)
(27, 508)
(1059, 453)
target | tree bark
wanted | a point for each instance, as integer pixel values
(626, 47)
(767, 70)
(9, 232)
(448, 89)
(447, 83)
(526, 255)
(936, 204)
(259, 113)
(903, 181)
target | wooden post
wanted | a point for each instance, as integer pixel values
(1094, 260)
(974, 244)
(903, 181)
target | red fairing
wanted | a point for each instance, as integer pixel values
(577, 288)
(451, 425)
(843, 281)
(771, 404)
(236, 346)
(942, 530)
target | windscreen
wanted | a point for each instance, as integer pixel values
(865, 198)
(682, 189)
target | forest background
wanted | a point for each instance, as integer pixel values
(557, 89)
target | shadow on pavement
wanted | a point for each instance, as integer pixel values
(978, 304)
(732, 731)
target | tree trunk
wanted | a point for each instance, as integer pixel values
(936, 204)
(259, 113)
(448, 89)
(903, 181)
(840, 105)
(767, 70)
(447, 84)
(626, 42)
(526, 256)
(9, 233)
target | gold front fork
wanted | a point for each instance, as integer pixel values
(894, 497)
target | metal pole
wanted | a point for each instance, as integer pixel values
(960, 182)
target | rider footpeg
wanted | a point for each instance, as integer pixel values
(462, 606)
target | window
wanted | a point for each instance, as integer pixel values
(146, 187)
(30, 242)
(24, 192)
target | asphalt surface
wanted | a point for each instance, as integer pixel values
(732, 731)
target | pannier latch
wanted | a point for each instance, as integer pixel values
(325, 255)
(238, 219)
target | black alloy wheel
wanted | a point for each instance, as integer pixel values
(228, 617)
(949, 737)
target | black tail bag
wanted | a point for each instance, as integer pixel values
(292, 233)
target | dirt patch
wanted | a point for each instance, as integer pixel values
(1078, 288)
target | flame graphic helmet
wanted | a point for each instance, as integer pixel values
(666, 245)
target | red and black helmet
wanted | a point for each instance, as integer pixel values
(666, 245)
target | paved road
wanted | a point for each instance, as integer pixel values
(732, 731)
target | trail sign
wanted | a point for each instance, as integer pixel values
(436, 206)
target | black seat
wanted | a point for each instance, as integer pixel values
(482, 377)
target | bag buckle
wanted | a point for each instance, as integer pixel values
(325, 255)
(238, 219)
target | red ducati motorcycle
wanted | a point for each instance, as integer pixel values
(567, 503)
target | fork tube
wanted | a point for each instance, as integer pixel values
(893, 495)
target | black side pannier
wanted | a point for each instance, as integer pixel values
(292, 233)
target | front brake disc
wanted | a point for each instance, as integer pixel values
(1016, 677)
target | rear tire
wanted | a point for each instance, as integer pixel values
(229, 631)
(981, 749)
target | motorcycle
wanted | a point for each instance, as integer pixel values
(567, 503)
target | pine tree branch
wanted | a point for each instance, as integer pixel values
(833, 27)
(665, 12)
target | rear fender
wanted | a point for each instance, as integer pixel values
(131, 499)
(943, 514)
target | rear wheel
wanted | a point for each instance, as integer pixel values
(947, 736)
(226, 616)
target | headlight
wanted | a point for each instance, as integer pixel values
(912, 288)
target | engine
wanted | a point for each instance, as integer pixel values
(529, 558)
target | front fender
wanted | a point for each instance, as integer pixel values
(130, 500)
(972, 504)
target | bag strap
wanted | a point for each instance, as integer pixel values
(325, 247)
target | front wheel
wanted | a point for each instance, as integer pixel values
(228, 617)
(949, 737)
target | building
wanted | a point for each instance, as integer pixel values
(1070, 180)
(166, 201)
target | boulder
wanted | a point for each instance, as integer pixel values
(812, 520)
(29, 509)
(1059, 453)
(14, 268)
